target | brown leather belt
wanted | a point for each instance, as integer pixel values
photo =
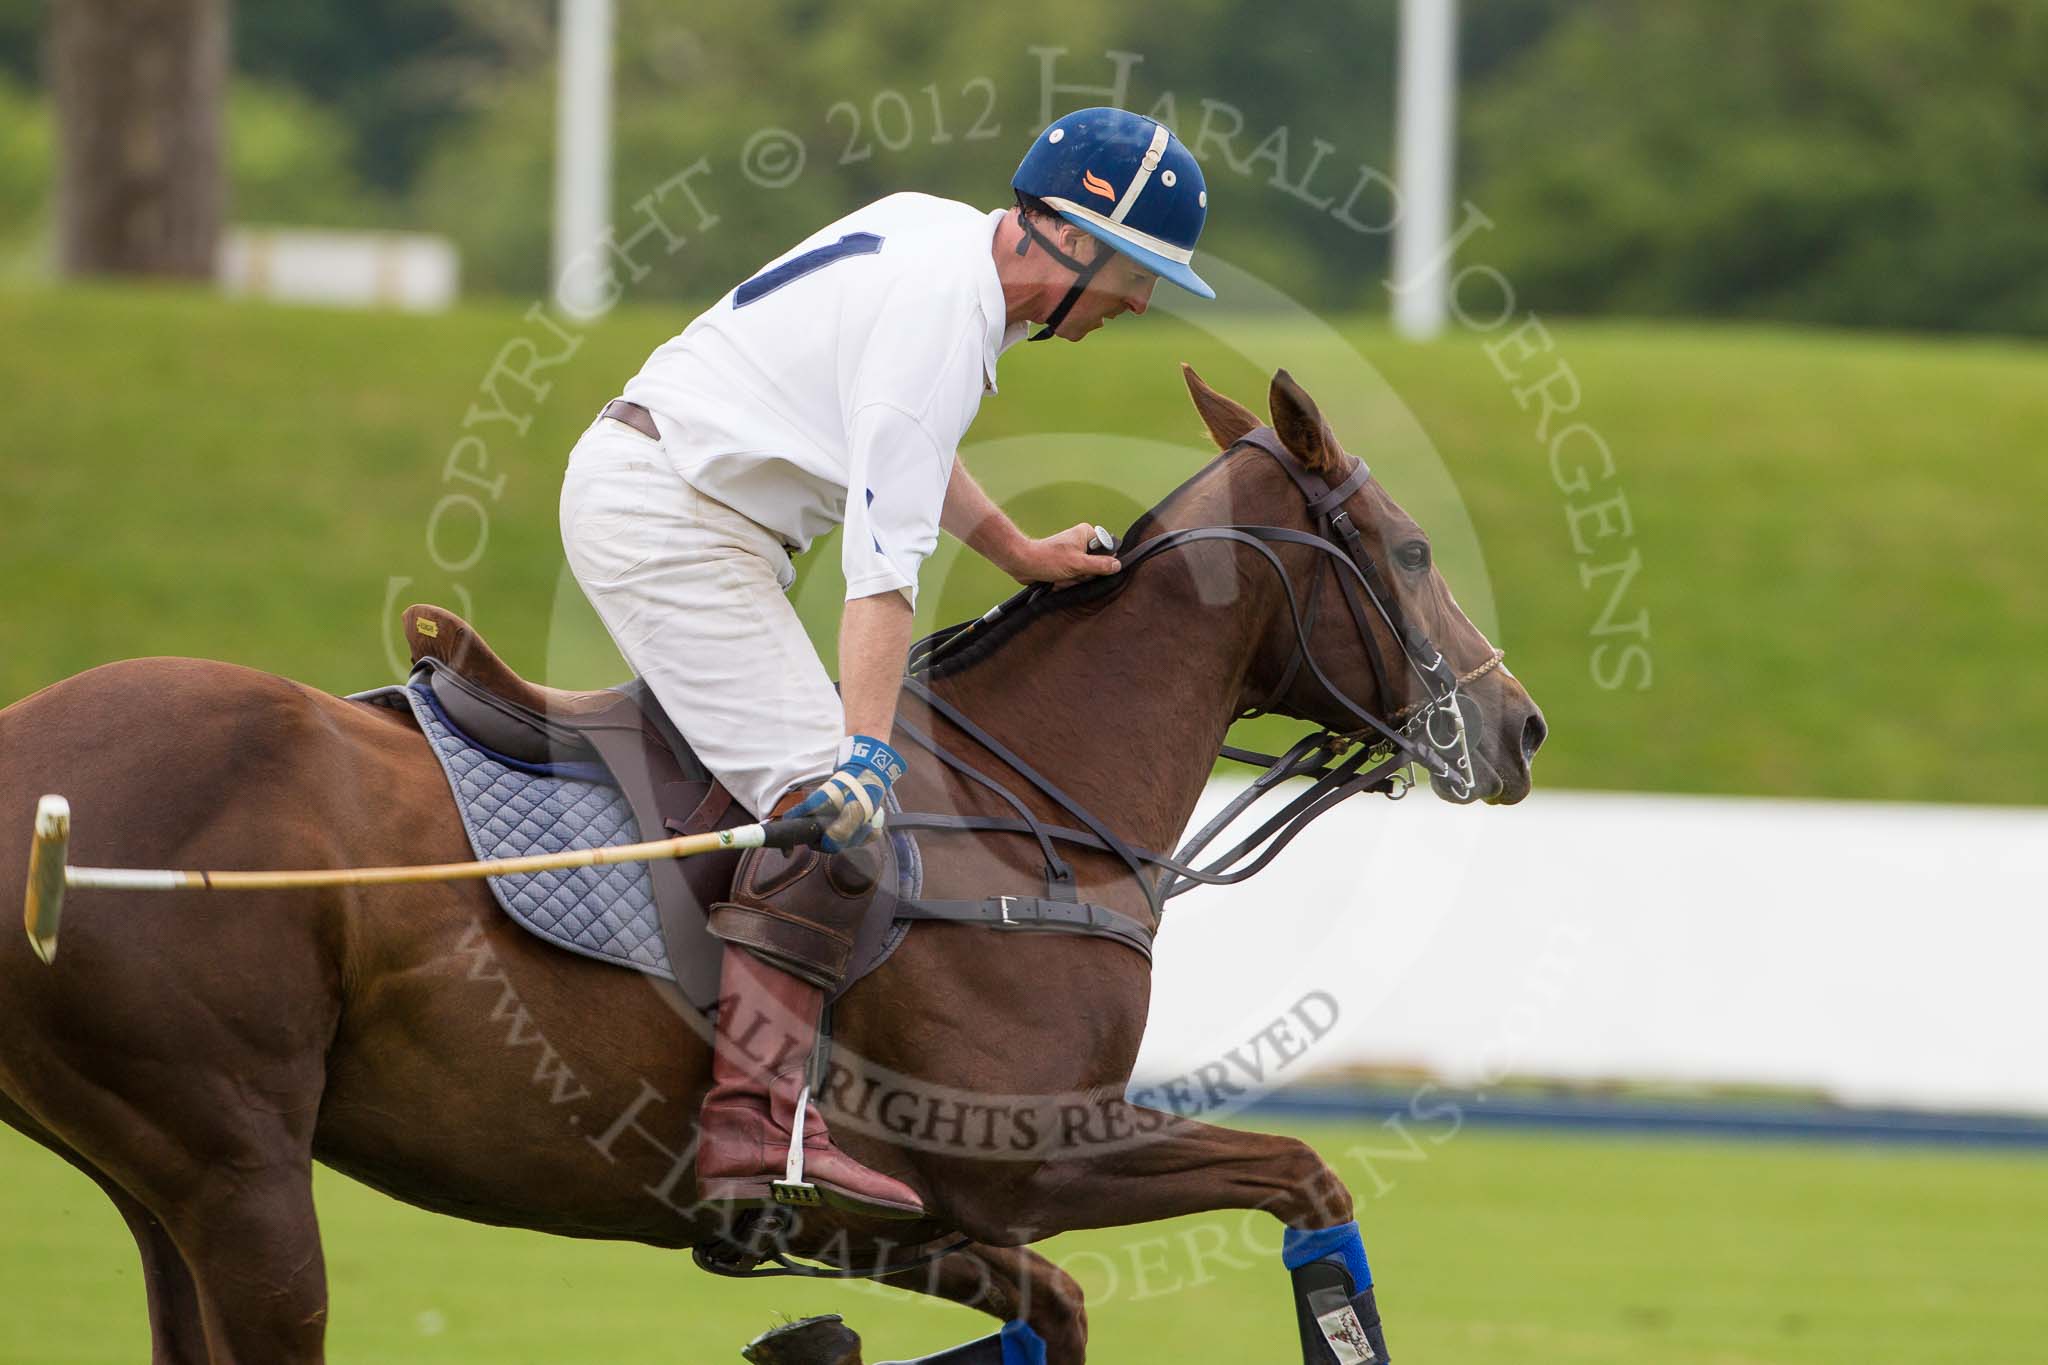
(634, 416)
(642, 421)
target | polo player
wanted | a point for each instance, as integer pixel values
(833, 388)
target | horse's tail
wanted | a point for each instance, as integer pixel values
(14, 837)
(17, 961)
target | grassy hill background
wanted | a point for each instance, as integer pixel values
(1840, 556)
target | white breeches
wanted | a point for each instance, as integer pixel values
(695, 596)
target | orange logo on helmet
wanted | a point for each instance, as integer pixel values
(1095, 184)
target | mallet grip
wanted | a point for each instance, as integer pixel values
(794, 832)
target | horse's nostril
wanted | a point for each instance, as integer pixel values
(1533, 733)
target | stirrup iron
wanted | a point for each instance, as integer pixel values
(793, 1189)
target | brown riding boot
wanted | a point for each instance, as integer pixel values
(767, 1028)
(788, 931)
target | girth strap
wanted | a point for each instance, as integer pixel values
(1033, 912)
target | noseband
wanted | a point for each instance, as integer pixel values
(1429, 732)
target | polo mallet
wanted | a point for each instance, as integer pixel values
(50, 875)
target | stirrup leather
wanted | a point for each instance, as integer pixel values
(793, 1189)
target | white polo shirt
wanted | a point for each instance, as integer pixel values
(835, 384)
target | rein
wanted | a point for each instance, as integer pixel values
(1369, 757)
(1429, 732)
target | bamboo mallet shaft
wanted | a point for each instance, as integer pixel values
(50, 876)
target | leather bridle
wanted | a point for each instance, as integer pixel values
(1413, 730)
(1368, 757)
(1429, 732)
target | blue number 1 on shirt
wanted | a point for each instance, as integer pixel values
(796, 267)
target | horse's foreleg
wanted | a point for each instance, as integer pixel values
(1011, 1284)
(1182, 1167)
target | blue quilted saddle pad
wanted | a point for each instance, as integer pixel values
(512, 810)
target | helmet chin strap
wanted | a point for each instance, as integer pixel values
(1084, 271)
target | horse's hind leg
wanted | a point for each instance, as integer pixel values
(1010, 1284)
(249, 1234)
(215, 1173)
(175, 1335)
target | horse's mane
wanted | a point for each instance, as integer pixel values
(1030, 606)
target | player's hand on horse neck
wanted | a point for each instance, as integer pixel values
(874, 632)
(983, 527)
(874, 638)
(1063, 560)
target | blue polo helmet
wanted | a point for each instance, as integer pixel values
(1126, 180)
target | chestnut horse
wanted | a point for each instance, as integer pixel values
(196, 1054)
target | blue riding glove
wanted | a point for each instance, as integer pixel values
(849, 801)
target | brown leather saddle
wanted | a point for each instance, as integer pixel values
(626, 732)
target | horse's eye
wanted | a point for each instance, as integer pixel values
(1413, 556)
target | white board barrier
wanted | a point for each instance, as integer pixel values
(1877, 953)
(412, 271)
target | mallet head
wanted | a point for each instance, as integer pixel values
(46, 858)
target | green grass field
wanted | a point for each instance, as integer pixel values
(1840, 567)
(1842, 575)
(1494, 1250)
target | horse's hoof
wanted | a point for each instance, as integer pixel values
(825, 1340)
(726, 1258)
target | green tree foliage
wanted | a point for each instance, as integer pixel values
(397, 74)
(929, 96)
(1882, 162)
(289, 160)
(26, 153)
(1860, 162)
(292, 161)
(21, 30)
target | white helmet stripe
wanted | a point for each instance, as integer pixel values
(1149, 164)
(1179, 255)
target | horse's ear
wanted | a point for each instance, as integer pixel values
(1299, 424)
(1227, 419)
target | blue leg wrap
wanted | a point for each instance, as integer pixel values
(1334, 1303)
(1021, 1345)
(1016, 1344)
(1299, 1248)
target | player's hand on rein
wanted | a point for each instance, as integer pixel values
(1064, 559)
(849, 800)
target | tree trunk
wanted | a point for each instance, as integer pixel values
(139, 86)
